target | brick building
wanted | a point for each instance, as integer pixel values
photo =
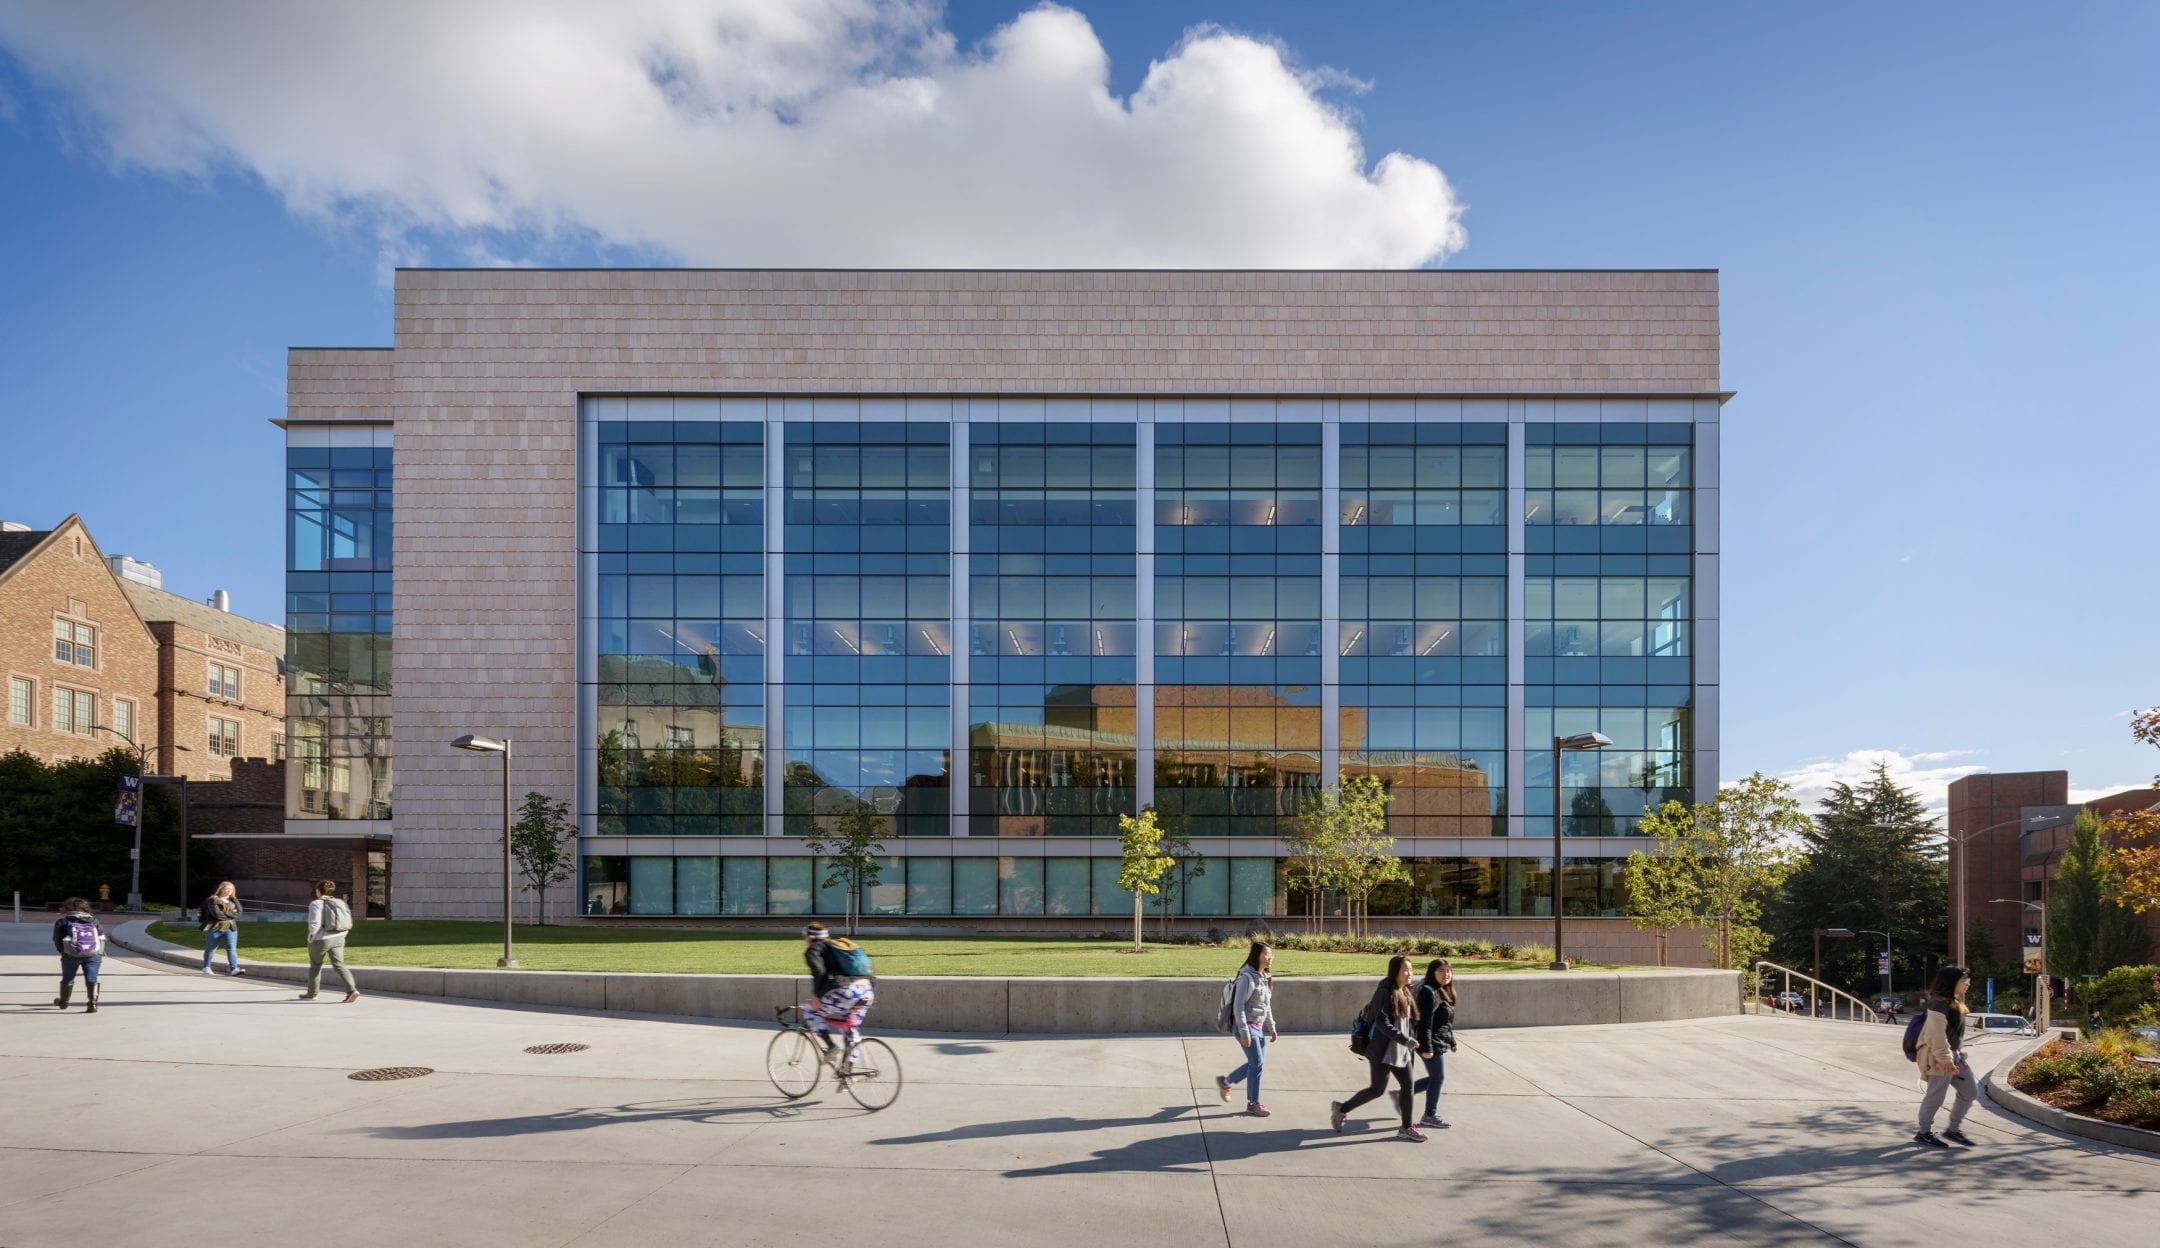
(76, 654)
(2015, 826)
(220, 686)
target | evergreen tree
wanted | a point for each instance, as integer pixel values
(2087, 934)
(1873, 860)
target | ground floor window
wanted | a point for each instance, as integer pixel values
(1057, 887)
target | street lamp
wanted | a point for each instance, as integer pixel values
(1957, 892)
(1561, 745)
(2042, 997)
(143, 776)
(1887, 990)
(1834, 933)
(492, 745)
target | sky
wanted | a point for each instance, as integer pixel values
(1932, 224)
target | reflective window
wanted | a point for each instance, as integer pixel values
(339, 508)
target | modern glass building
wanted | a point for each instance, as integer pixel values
(997, 561)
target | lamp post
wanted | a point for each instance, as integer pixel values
(142, 771)
(1957, 891)
(1887, 990)
(1834, 933)
(2042, 998)
(493, 745)
(1561, 745)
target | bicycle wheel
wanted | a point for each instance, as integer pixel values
(874, 1080)
(793, 1063)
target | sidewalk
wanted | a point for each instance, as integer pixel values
(191, 1102)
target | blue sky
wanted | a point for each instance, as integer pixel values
(1933, 225)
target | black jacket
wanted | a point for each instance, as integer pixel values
(1380, 1016)
(1436, 1020)
(823, 976)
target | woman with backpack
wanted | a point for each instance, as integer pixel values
(1940, 1053)
(840, 977)
(80, 943)
(1390, 1038)
(221, 926)
(1252, 1015)
(1435, 1035)
(329, 921)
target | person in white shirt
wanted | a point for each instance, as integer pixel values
(329, 920)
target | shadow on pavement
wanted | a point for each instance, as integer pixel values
(1037, 1126)
(694, 1110)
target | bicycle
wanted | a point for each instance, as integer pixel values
(797, 1058)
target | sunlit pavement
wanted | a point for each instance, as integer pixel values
(192, 1107)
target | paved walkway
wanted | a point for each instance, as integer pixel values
(192, 1106)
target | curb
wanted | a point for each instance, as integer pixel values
(2000, 1094)
(1044, 1005)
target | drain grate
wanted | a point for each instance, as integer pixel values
(381, 1073)
(558, 1047)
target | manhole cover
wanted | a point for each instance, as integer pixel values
(559, 1047)
(390, 1072)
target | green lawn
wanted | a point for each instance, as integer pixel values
(427, 942)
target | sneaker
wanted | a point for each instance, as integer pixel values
(1222, 1086)
(1928, 1138)
(1411, 1135)
(209, 970)
(1956, 1136)
(1254, 1109)
(239, 970)
(350, 997)
(307, 996)
(1335, 1116)
(1432, 1120)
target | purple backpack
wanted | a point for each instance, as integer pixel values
(84, 940)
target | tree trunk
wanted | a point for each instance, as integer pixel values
(542, 894)
(1136, 922)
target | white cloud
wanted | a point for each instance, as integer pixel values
(745, 132)
(1927, 774)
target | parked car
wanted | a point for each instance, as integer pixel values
(1978, 1023)
(1891, 1006)
(1790, 1001)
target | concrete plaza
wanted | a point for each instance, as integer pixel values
(192, 1107)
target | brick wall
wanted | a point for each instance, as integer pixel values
(186, 706)
(67, 571)
(1992, 859)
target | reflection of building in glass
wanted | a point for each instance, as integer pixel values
(994, 559)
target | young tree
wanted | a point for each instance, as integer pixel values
(1660, 892)
(2088, 934)
(1143, 863)
(1310, 852)
(1344, 831)
(543, 843)
(1873, 860)
(852, 851)
(1741, 844)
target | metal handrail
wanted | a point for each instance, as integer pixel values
(1844, 1006)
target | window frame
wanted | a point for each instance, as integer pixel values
(28, 686)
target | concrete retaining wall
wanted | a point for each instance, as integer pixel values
(1041, 1006)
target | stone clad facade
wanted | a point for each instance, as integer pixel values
(491, 373)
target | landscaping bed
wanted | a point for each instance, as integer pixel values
(463, 945)
(2098, 1078)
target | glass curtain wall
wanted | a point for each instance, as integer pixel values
(1051, 636)
(1608, 625)
(338, 508)
(1237, 633)
(867, 669)
(1423, 638)
(681, 637)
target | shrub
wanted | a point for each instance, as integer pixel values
(2122, 992)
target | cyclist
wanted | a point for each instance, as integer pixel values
(843, 1001)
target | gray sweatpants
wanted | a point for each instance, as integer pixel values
(317, 950)
(1961, 1084)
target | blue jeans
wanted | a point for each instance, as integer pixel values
(88, 967)
(1255, 1058)
(1435, 1075)
(212, 938)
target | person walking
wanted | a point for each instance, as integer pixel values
(1252, 1006)
(1435, 1035)
(1940, 1054)
(80, 943)
(221, 926)
(1391, 1017)
(329, 921)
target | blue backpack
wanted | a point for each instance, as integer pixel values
(1912, 1036)
(847, 958)
(1361, 1035)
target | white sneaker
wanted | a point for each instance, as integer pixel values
(209, 970)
